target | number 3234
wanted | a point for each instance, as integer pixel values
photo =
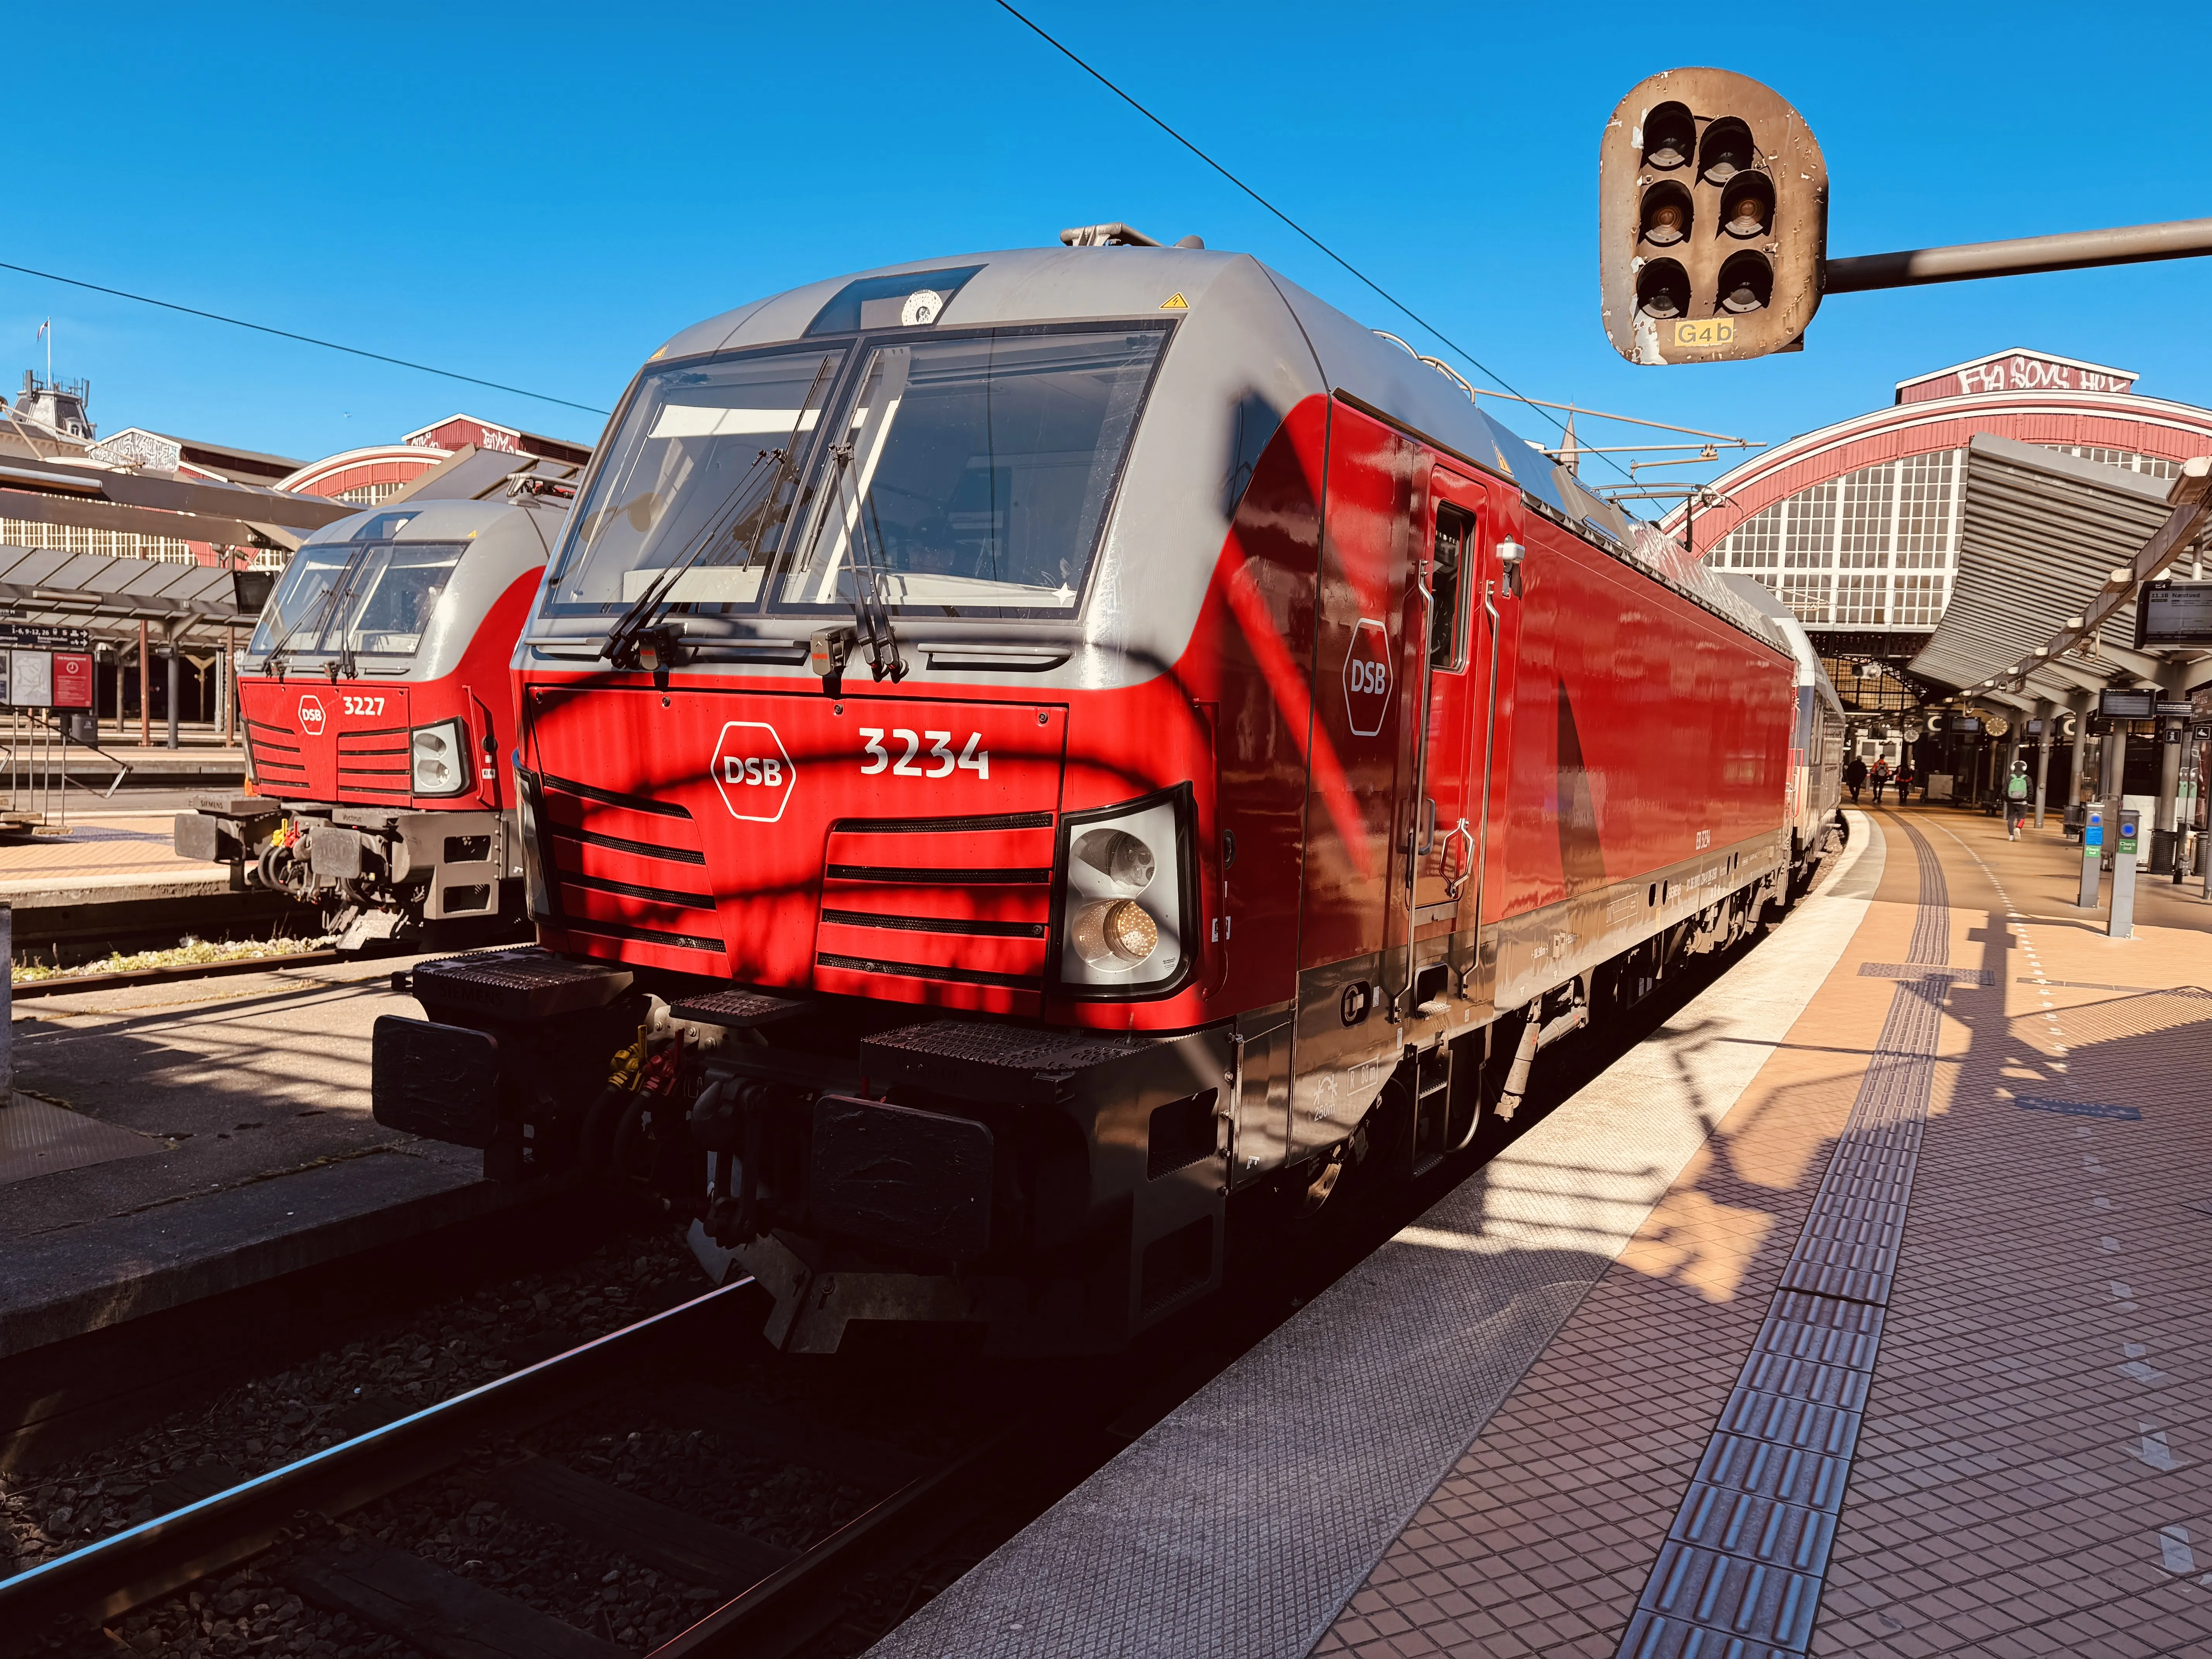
(972, 758)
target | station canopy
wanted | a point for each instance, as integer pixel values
(190, 604)
(193, 605)
(2051, 550)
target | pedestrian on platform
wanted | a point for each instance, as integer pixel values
(1880, 778)
(1855, 777)
(1906, 777)
(2016, 793)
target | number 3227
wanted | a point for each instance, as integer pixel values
(972, 758)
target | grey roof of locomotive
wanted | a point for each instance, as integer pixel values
(1249, 336)
(505, 539)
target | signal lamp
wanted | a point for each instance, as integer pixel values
(1747, 284)
(1727, 151)
(1663, 289)
(1670, 136)
(1747, 205)
(1666, 214)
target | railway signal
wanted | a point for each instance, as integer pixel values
(1713, 227)
(1713, 220)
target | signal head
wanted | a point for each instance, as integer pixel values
(1693, 148)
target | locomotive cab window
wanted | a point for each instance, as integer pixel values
(974, 472)
(377, 597)
(697, 486)
(1454, 548)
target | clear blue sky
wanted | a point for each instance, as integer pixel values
(540, 195)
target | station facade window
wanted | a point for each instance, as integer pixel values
(1834, 550)
(77, 538)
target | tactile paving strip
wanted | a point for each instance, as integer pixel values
(1740, 1572)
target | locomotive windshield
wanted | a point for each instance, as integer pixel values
(703, 449)
(979, 472)
(964, 473)
(376, 598)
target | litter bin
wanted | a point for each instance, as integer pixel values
(82, 725)
(2161, 852)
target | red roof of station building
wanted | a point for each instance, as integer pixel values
(2048, 406)
(2017, 369)
(456, 430)
(351, 468)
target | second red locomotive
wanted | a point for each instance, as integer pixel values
(1025, 759)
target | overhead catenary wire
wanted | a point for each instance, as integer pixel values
(1389, 298)
(305, 340)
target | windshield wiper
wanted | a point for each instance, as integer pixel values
(319, 613)
(871, 618)
(622, 646)
(747, 519)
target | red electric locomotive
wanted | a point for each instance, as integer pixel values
(379, 713)
(1027, 761)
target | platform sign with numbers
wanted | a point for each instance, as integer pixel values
(38, 636)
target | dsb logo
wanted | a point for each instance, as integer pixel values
(311, 716)
(752, 771)
(1367, 679)
(753, 768)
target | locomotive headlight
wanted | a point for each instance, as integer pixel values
(1125, 899)
(437, 757)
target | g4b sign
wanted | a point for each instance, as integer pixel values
(1367, 679)
(752, 771)
(1712, 220)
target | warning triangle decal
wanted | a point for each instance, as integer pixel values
(1175, 302)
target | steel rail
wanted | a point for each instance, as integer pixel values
(151, 1559)
(800, 1599)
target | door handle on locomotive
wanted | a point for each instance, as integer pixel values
(1453, 883)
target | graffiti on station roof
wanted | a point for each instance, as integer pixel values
(2015, 370)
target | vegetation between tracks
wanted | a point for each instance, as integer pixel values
(186, 953)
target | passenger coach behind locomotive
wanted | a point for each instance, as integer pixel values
(1236, 755)
(380, 711)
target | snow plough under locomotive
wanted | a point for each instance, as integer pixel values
(1026, 760)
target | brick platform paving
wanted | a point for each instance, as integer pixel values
(97, 849)
(2030, 1476)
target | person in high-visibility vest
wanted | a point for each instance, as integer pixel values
(2016, 793)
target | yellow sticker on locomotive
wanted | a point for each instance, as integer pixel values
(1175, 302)
(1713, 331)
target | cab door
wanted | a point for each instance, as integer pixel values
(1353, 920)
(1453, 738)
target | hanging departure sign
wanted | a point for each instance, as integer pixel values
(38, 636)
(2173, 615)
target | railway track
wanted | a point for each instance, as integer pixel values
(767, 1600)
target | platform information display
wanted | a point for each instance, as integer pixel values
(2127, 705)
(2170, 614)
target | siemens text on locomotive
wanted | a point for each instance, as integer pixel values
(1032, 760)
(378, 714)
